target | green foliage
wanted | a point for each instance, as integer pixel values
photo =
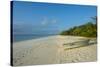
(88, 30)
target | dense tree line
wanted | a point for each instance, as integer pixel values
(87, 30)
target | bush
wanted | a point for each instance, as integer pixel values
(88, 30)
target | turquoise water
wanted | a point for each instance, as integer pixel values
(17, 38)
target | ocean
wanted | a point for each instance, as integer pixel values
(20, 37)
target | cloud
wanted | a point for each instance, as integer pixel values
(54, 21)
(48, 21)
(44, 21)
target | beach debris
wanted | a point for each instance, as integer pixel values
(76, 44)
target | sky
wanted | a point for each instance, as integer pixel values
(49, 18)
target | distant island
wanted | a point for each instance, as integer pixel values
(87, 30)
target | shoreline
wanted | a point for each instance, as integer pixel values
(33, 38)
(47, 37)
(50, 50)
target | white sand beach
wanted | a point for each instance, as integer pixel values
(50, 50)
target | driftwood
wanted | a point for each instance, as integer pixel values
(84, 42)
(76, 44)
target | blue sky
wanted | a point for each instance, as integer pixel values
(46, 18)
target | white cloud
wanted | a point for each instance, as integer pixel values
(44, 21)
(54, 21)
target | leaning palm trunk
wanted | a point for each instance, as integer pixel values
(76, 44)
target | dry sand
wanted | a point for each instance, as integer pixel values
(50, 50)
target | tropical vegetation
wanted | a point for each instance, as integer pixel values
(87, 30)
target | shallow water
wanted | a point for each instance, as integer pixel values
(17, 38)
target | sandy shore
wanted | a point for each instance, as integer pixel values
(50, 50)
